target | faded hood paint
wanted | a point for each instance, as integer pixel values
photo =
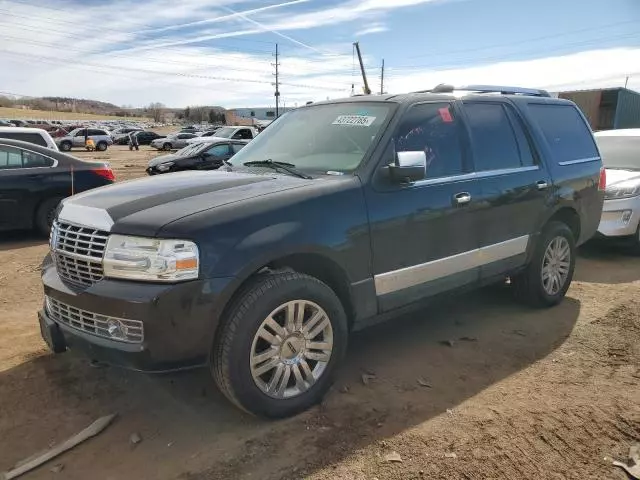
(143, 207)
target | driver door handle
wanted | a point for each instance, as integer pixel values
(462, 198)
(542, 185)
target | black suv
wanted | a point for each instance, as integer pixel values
(339, 213)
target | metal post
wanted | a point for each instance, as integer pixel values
(367, 90)
(277, 94)
(382, 79)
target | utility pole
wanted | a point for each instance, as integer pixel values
(277, 94)
(626, 81)
(367, 90)
(382, 79)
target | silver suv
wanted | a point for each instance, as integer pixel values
(77, 138)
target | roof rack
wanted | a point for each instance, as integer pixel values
(446, 88)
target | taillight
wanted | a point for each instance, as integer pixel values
(602, 183)
(105, 172)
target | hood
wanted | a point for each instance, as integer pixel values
(163, 158)
(143, 207)
(616, 176)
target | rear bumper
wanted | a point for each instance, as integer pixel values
(178, 320)
(620, 218)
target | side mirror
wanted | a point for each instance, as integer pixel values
(409, 167)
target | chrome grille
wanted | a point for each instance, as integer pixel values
(113, 328)
(78, 253)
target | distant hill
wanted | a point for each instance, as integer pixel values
(37, 107)
(70, 105)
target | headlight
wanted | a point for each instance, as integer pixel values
(163, 167)
(151, 259)
(627, 189)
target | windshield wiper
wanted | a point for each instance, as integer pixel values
(287, 167)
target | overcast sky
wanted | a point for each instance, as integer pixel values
(220, 52)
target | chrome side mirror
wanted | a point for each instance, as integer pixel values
(409, 167)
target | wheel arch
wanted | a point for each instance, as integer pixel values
(315, 264)
(570, 217)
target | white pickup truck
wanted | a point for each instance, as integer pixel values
(233, 133)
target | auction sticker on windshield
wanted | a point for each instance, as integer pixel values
(355, 120)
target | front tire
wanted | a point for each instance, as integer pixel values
(545, 281)
(101, 147)
(280, 344)
(166, 147)
(65, 146)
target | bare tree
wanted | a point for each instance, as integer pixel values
(156, 110)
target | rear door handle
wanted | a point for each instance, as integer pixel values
(462, 198)
(542, 185)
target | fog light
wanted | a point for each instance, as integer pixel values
(116, 329)
(626, 216)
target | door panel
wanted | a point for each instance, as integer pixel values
(511, 181)
(423, 239)
(20, 189)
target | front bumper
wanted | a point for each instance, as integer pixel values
(179, 320)
(620, 218)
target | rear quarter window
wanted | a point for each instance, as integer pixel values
(568, 135)
(25, 137)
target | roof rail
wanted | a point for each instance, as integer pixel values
(446, 88)
(534, 92)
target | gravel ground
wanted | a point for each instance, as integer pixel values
(473, 388)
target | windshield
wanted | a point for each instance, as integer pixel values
(225, 132)
(189, 149)
(332, 137)
(621, 152)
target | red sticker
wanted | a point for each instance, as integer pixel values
(445, 115)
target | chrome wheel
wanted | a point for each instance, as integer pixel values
(291, 349)
(556, 264)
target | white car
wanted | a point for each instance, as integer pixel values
(37, 136)
(226, 133)
(620, 150)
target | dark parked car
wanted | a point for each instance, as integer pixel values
(201, 156)
(145, 138)
(339, 214)
(33, 180)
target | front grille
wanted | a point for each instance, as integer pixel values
(113, 328)
(78, 253)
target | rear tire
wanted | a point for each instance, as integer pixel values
(546, 279)
(102, 146)
(65, 146)
(299, 363)
(45, 215)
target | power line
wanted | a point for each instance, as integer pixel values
(178, 74)
(506, 56)
(124, 21)
(519, 42)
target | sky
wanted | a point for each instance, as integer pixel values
(222, 52)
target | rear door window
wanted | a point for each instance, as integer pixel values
(568, 135)
(497, 139)
(10, 157)
(35, 160)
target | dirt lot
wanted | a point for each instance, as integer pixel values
(517, 394)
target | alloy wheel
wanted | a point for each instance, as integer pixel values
(556, 265)
(291, 349)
